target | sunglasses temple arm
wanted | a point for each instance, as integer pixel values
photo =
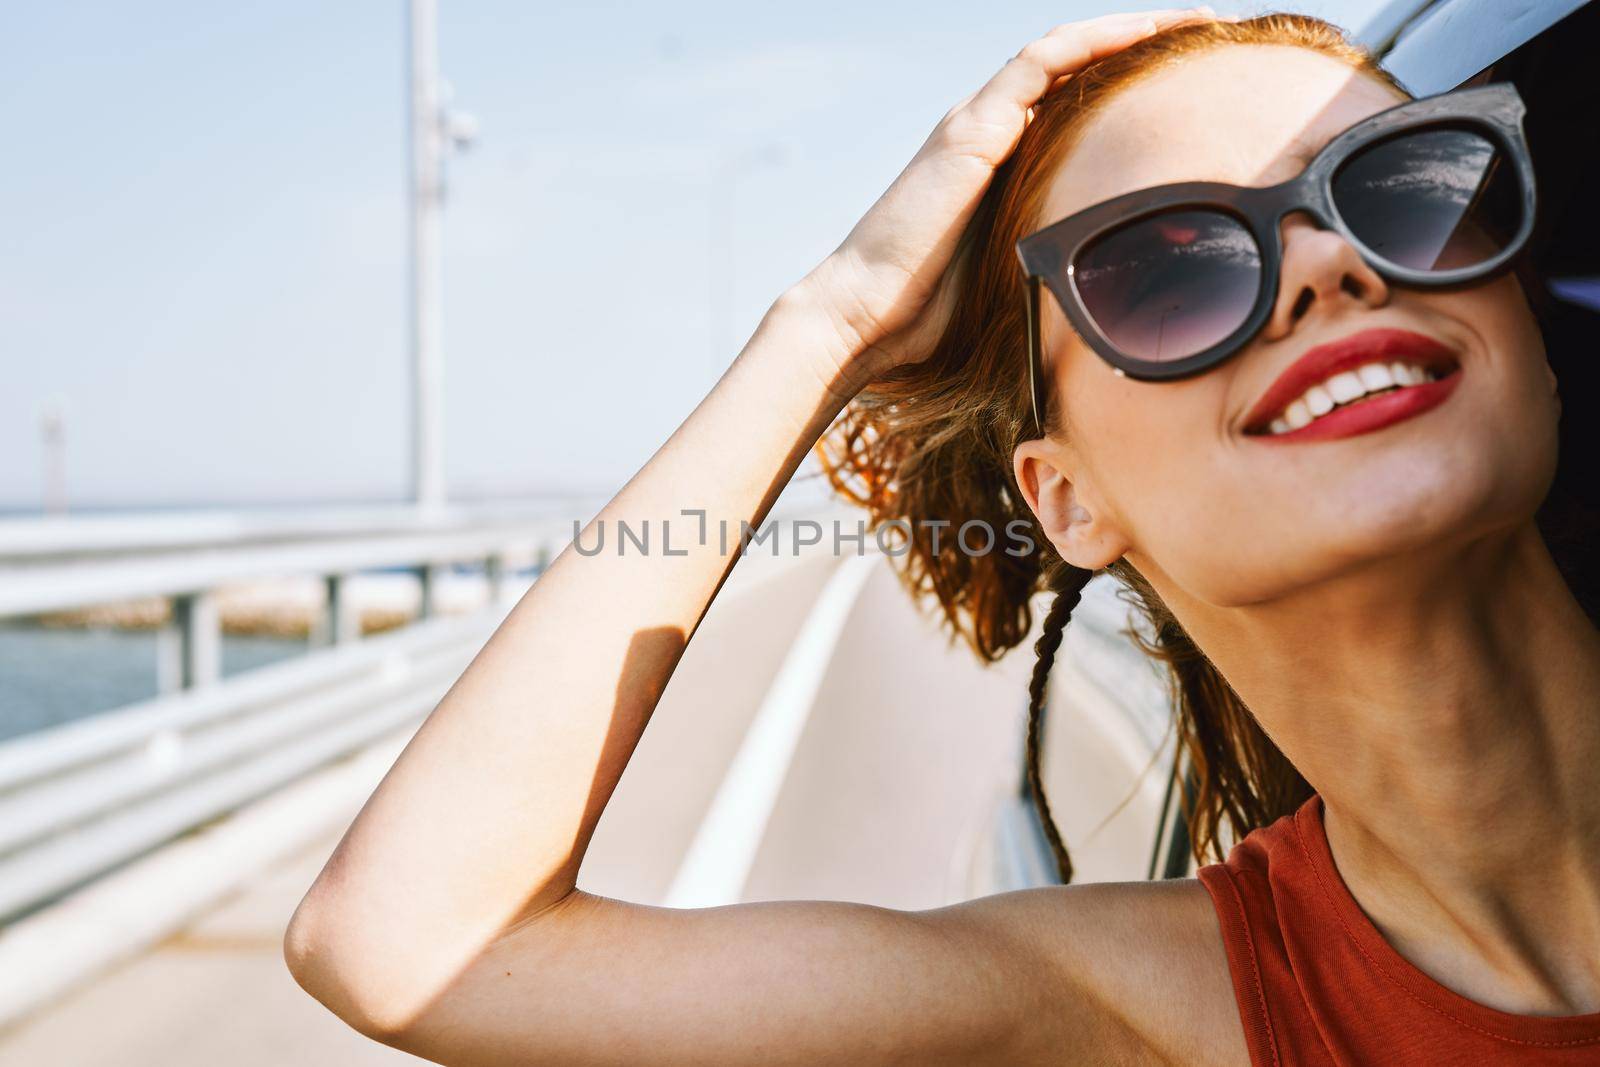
(1035, 355)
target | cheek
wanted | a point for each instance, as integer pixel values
(1510, 423)
(1159, 466)
(1207, 522)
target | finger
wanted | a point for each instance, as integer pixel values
(1159, 15)
(1027, 75)
(1160, 20)
(1162, 17)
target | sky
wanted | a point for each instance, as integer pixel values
(203, 243)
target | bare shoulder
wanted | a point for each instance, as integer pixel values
(1143, 958)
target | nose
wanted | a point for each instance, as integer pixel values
(1320, 270)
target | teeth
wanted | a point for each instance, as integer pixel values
(1345, 387)
(1377, 376)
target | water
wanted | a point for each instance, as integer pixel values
(52, 676)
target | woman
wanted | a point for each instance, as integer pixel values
(1377, 594)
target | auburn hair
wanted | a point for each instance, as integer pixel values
(934, 441)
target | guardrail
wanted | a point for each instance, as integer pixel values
(56, 565)
(79, 799)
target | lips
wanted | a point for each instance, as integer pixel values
(1346, 354)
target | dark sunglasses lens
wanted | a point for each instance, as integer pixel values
(1433, 200)
(1171, 285)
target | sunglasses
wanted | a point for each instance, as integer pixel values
(1166, 282)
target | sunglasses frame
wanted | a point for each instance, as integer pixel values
(1049, 255)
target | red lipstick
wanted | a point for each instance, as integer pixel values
(1366, 414)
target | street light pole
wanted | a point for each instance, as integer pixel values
(427, 358)
(53, 439)
(435, 129)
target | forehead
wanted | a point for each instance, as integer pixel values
(1243, 114)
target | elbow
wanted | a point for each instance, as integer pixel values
(327, 958)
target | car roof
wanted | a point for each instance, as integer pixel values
(1433, 47)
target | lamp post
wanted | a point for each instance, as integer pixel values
(53, 445)
(434, 131)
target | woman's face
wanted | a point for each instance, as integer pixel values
(1164, 472)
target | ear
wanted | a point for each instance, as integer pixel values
(1083, 532)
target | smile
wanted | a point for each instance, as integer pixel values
(1354, 385)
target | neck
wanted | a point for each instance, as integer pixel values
(1445, 709)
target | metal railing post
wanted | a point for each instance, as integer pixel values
(189, 646)
(340, 622)
(428, 575)
(494, 573)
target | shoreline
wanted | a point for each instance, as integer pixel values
(289, 608)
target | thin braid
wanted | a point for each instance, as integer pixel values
(1069, 590)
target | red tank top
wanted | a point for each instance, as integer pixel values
(1317, 984)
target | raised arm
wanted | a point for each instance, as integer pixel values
(447, 921)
